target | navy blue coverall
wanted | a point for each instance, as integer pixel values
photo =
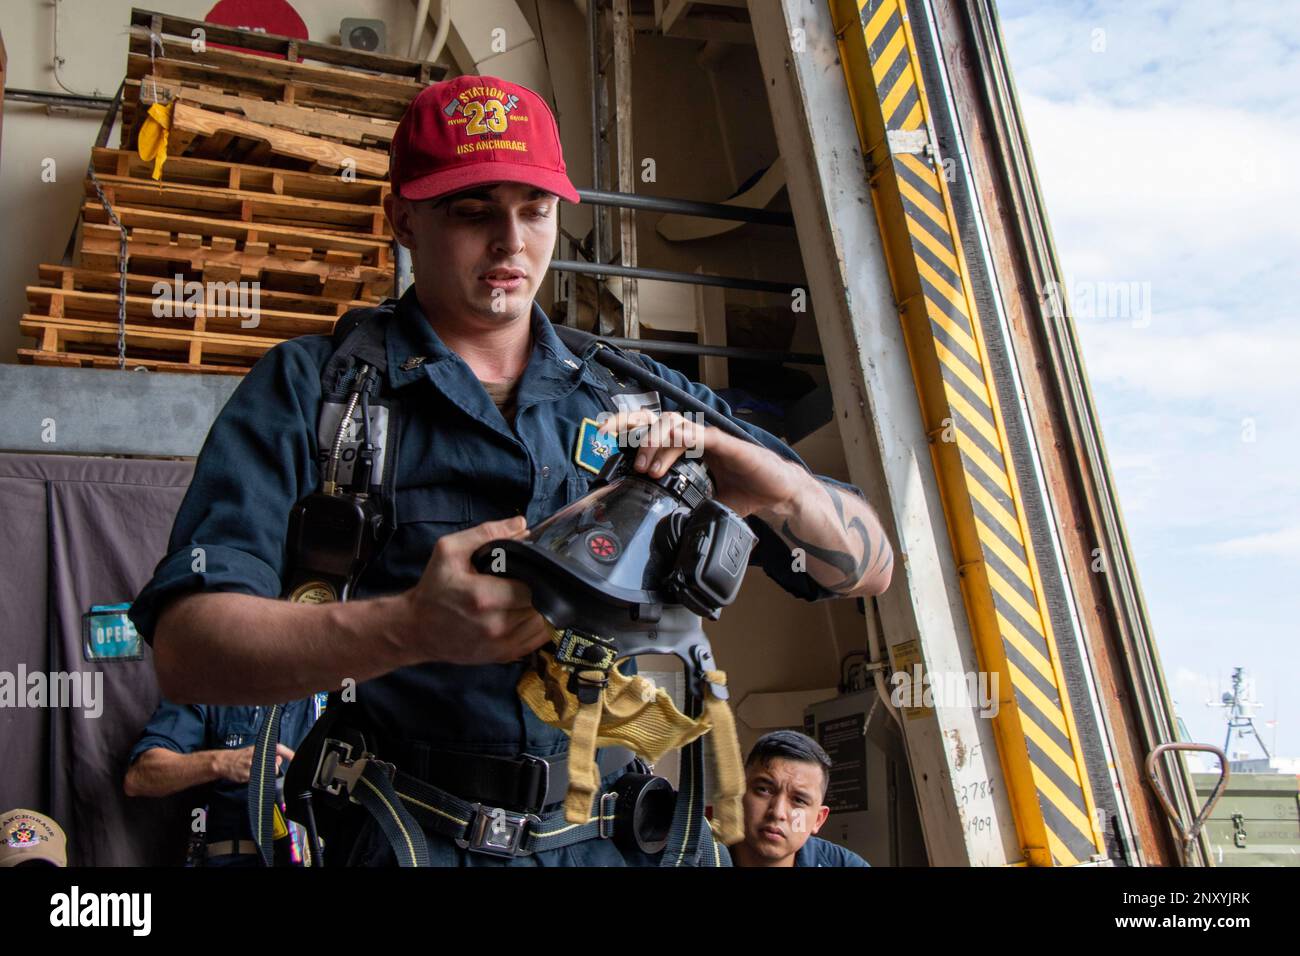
(460, 464)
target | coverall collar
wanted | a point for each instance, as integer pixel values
(415, 352)
(412, 344)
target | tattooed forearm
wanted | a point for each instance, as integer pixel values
(851, 543)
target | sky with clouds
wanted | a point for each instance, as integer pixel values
(1165, 135)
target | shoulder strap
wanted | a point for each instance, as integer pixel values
(585, 345)
(359, 336)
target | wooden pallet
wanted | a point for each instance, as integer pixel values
(133, 363)
(62, 340)
(224, 315)
(336, 275)
(289, 48)
(287, 242)
(70, 279)
(340, 127)
(262, 127)
(214, 174)
(218, 136)
(239, 206)
(302, 84)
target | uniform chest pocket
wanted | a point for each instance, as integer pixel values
(446, 507)
(575, 487)
(435, 503)
(239, 731)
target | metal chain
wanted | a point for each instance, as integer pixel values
(154, 41)
(121, 265)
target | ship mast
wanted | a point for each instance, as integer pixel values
(1237, 704)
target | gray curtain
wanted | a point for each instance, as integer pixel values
(77, 532)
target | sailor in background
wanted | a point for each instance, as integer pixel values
(185, 746)
(786, 778)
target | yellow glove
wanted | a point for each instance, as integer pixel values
(152, 142)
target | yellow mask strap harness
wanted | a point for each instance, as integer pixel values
(577, 687)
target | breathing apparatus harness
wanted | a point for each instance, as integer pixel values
(626, 570)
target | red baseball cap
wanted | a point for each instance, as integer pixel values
(473, 130)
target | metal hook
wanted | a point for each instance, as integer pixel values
(1188, 834)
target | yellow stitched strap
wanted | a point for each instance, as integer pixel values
(152, 141)
(636, 714)
(631, 712)
(584, 780)
(729, 771)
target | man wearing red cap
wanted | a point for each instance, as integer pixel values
(491, 413)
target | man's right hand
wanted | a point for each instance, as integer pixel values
(464, 617)
(237, 765)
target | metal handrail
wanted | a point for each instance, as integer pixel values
(670, 275)
(686, 207)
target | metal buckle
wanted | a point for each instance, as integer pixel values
(498, 832)
(605, 808)
(337, 773)
(546, 779)
(334, 768)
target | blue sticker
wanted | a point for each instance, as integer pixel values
(594, 449)
(319, 700)
(107, 634)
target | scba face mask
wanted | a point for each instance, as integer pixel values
(632, 568)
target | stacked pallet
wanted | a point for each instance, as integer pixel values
(267, 222)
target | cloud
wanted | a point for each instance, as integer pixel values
(1281, 543)
(1244, 369)
(1235, 53)
(1197, 201)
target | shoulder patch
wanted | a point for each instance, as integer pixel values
(594, 449)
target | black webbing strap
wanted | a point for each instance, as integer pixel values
(374, 791)
(614, 360)
(688, 815)
(690, 838)
(459, 820)
(524, 782)
(261, 784)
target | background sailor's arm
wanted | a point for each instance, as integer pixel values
(160, 772)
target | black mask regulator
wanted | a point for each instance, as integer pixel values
(636, 561)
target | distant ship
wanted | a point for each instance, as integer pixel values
(1257, 820)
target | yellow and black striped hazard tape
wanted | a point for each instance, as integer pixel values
(1004, 595)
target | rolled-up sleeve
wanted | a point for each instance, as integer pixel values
(771, 553)
(180, 728)
(257, 461)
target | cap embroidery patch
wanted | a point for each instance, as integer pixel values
(486, 111)
(23, 834)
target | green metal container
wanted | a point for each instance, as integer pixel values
(1256, 822)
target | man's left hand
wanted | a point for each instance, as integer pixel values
(835, 533)
(747, 477)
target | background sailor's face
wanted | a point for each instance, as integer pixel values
(783, 806)
(482, 254)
